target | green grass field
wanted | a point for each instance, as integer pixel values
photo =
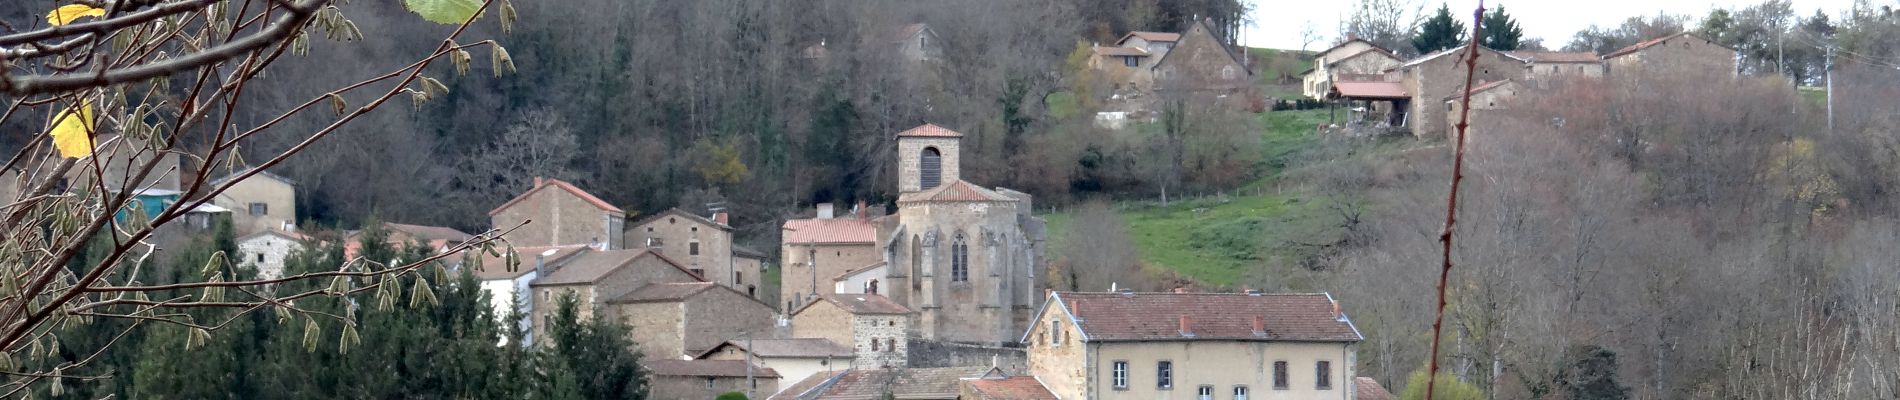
(1217, 241)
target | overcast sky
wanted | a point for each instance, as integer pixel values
(1277, 23)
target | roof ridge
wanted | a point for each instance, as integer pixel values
(564, 185)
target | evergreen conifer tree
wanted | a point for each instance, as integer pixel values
(1439, 33)
(1500, 31)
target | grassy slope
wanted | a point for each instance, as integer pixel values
(1218, 242)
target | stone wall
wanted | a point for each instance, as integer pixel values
(825, 321)
(721, 314)
(910, 151)
(677, 234)
(267, 253)
(879, 340)
(795, 277)
(278, 199)
(1431, 81)
(1003, 269)
(695, 387)
(924, 353)
(559, 218)
(657, 328)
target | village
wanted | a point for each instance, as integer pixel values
(919, 276)
(942, 297)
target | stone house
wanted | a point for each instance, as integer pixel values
(794, 359)
(1125, 345)
(684, 319)
(706, 379)
(913, 43)
(263, 201)
(703, 245)
(266, 251)
(1485, 99)
(1685, 51)
(872, 326)
(1549, 64)
(562, 214)
(997, 385)
(1354, 59)
(876, 383)
(1202, 63)
(966, 258)
(822, 247)
(505, 277)
(1430, 78)
(597, 276)
(1128, 65)
(118, 160)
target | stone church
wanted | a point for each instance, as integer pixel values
(966, 259)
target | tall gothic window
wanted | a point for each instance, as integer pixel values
(930, 169)
(959, 259)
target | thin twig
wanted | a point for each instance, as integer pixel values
(1451, 203)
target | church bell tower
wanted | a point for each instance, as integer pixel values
(927, 157)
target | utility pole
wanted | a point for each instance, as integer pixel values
(751, 386)
(1830, 83)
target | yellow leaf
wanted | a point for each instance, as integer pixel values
(72, 131)
(66, 14)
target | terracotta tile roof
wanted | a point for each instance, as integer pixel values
(902, 383)
(593, 265)
(429, 233)
(862, 304)
(1210, 316)
(929, 130)
(1479, 89)
(1120, 51)
(1370, 90)
(494, 267)
(563, 185)
(1009, 388)
(787, 348)
(796, 390)
(954, 191)
(848, 230)
(1151, 36)
(676, 212)
(706, 368)
(663, 292)
(1369, 389)
(1557, 56)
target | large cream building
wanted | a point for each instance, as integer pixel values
(1193, 346)
(965, 258)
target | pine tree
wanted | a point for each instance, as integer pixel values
(1439, 33)
(1501, 31)
(597, 354)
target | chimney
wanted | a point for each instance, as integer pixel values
(824, 211)
(538, 181)
(1336, 314)
(1185, 329)
(1259, 326)
(1046, 292)
(1180, 289)
(541, 264)
(863, 212)
(722, 218)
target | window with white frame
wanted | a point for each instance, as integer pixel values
(1119, 374)
(1240, 393)
(1205, 392)
(1164, 374)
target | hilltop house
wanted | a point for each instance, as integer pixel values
(794, 359)
(1684, 51)
(872, 326)
(263, 201)
(562, 214)
(1485, 98)
(1128, 65)
(685, 319)
(437, 238)
(1354, 60)
(703, 245)
(266, 251)
(1430, 78)
(1126, 345)
(1196, 62)
(598, 276)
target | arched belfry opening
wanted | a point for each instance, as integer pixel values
(930, 168)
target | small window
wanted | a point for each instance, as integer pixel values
(260, 258)
(1240, 393)
(1131, 61)
(260, 209)
(1164, 375)
(1120, 374)
(692, 248)
(738, 277)
(698, 272)
(649, 229)
(709, 383)
(1205, 392)
(670, 220)
(1324, 370)
(1055, 332)
(1279, 375)
(695, 229)
(959, 259)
